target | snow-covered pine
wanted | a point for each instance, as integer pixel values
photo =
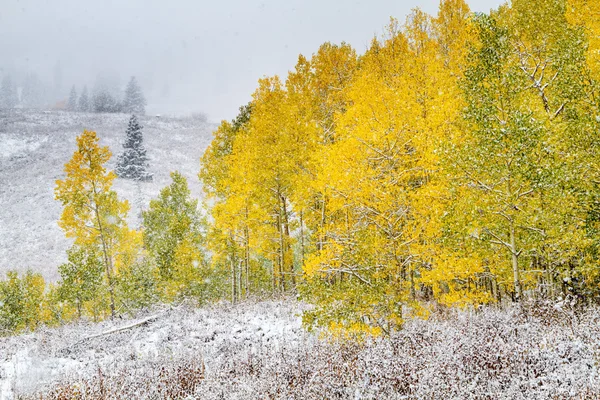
(8, 93)
(104, 102)
(133, 162)
(72, 102)
(84, 101)
(33, 93)
(134, 101)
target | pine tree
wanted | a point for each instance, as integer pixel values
(8, 93)
(104, 102)
(84, 101)
(72, 103)
(134, 101)
(33, 92)
(132, 163)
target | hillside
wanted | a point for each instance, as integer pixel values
(35, 145)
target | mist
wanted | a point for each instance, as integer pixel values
(189, 56)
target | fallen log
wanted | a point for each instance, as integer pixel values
(122, 328)
(111, 331)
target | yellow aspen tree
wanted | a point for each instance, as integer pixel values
(92, 214)
(268, 151)
(230, 234)
(385, 184)
(586, 13)
(349, 277)
(439, 48)
(317, 94)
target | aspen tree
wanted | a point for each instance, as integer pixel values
(92, 214)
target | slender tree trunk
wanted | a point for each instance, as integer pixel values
(286, 226)
(247, 260)
(515, 262)
(240, 272)
(233, 281)
(550, 283)
(107, 256)
(140, 203)
(322, 229)
(413, 294)
(233, 272)
(274, 276)
(107, 262)
(513, 247)
(247, 255)
(281, 253)
(302, 238)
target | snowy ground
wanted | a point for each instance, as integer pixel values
(31, 362)
(259, 351)
(35, 145)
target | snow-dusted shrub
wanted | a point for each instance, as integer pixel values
(258, 351)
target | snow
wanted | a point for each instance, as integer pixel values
(33, 361)
(12, 146)
(259, 350)
(35, 145)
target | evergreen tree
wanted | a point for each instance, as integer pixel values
(132, 163)
(134, 101)
(72, 103)
(104, 102)
(84, 101)
(33, 92)
(8, 93)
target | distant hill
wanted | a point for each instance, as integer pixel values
(35, 145)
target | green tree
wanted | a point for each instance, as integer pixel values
(172, 236)
(9, 97)
(21, 301)
(133, 162)
(72, 102)
(81, 276)
(134, 101)
(514, 190)
(136, 286)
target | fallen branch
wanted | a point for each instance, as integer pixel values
(123, 328)
(115, 330)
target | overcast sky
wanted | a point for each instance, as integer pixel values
(189, 55)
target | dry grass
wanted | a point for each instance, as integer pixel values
(536, 352)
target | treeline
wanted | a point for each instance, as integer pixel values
(454, 163)
(104, 100)
(106, 97)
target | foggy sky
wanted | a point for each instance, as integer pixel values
(189, 55)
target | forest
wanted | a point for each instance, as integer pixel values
(454, 164)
